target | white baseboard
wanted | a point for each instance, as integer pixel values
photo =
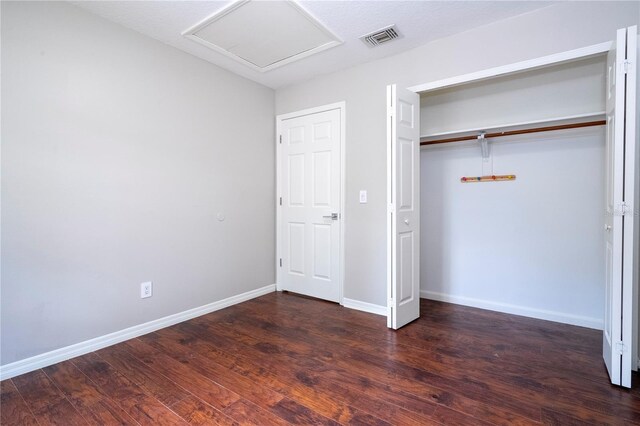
(525, 311)
(48, 358)
(364, 306)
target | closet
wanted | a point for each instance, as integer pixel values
(533, 245)
(521, 180)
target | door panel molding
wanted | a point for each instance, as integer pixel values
(316, 195)
(403, 198)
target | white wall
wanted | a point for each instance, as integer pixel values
(532, 246)
(117, 153)
(557, 28)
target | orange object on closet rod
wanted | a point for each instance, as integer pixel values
(492, 178)
(518, 132)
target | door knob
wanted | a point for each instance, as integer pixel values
(607, 227)
(406, 221)
(333, 216)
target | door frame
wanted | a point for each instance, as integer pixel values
(279, 119)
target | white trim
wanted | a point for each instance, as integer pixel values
(277, 201)
(528, 65)
(391, 93)
(342, 106)
(364, 306)
(589, 322)
(343, 192)
(309, 111)
(48, 358)
(190, 33)
(628, 298)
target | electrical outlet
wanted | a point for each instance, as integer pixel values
(146, 289)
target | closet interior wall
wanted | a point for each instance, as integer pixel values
(533, 246)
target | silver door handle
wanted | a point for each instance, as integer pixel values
(334, 216)
(607, 227)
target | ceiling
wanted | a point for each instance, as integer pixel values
(419, 22)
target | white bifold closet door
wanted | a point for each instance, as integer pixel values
(403, 216)
(621, 142)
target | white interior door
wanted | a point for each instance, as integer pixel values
(403, 192)
(310, 210)
(621, 94)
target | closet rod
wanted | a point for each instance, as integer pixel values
(518, 132)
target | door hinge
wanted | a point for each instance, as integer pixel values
(280, 138)
(280, 200)
(622, 209)
(626, 65)
(281, 262)
(620, 347)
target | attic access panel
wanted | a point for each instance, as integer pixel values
(263, 34)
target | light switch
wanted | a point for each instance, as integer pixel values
(363, 196)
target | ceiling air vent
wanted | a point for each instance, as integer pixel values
(381, 36)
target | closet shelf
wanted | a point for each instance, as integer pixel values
(561, 123)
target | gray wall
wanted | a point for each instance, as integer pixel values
(117, 154)
(553, 29)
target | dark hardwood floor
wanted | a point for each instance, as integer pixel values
(283, 359)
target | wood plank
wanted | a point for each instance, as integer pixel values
(205, 388)
(610, 402)
(300, 385)
(141, 406)
(431, 394)
(411, 377)
(240, 410)
(46, 402)
(300, 415)
(197, 412)
(520, 376)
(156, 384)
(180, 350)
(96, 407)
(246, 412)
(280, 374)
(556, 379)
(13, 409)
(550, 417)
(325, 405)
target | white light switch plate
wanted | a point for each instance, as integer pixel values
(363, 196)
